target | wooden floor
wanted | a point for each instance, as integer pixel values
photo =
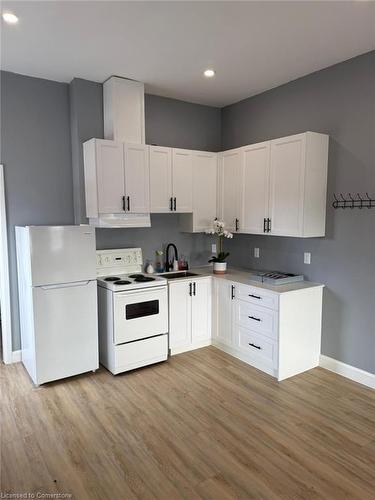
(201, 426)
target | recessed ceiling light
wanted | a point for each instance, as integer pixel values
(10, 18)
(209, 73)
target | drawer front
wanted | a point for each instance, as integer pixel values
(257, 296)
(141, 353)
(259, 347)
(259, 319)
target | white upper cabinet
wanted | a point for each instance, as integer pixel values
(182, 180)
(276, 187)
(124, 110)
(171, 179)
(298, 185)
(204, 193)
(116, 178)
(255, 187)
(104, 177)
(161, 179)
(230, 167)
(137, 178)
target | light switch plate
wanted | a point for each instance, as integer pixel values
(307, 258)
(213, 248)
(256, 253)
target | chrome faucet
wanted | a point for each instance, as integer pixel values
(169, 263)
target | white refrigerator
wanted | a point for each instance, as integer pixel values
(57, 300)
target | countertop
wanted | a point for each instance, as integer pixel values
(242, 276)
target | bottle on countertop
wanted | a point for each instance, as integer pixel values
(159, 261)
(150, 269)
(183, 263)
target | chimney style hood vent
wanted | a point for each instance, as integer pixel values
(124, 110)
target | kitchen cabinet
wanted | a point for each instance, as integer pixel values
(171, 180)
(276, 187)
(189, 314)
(104, 177)
(116, 177)
(223, 296)
(137, 178)
(204, 193)
(255, 177)
(161, 179)
(230, 166)
(278, 333)
(298, 185)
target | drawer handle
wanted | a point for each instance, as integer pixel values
(254, 345)
(254, 296)
(254, 318)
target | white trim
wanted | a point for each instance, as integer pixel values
(16, 356)
(348, 371)
(4, 277)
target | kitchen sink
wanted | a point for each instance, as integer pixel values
(178, 274)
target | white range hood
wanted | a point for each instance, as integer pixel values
(121, 220)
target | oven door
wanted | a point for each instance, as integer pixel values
(140, 314)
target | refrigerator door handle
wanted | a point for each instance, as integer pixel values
(65, 285)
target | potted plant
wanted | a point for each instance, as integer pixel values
(219, 260)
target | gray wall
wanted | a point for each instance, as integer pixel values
(339, 101)
(180, 124)
(35, 151)
(43, 125)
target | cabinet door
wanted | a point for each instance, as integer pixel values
(179, 315)
(182, 180)
(229, 181)
(255, 187)
(286, 185)
(201, 310)
(110, 176)
(137, 178)
(160, 179)
(223, 305)
(204, 189)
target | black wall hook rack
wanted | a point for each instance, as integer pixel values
(357, 202)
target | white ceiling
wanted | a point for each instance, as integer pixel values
(253, 46)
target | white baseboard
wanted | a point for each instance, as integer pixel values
(16, 356)
(348, 371)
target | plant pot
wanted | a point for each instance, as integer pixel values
(220, 267)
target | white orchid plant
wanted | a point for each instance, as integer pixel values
(218, 229)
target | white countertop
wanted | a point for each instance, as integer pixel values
(239, 275)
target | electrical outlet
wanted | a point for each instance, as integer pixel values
(213, 248)
(256, 253)
(307, 258)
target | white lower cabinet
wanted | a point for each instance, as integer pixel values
(189, 314)
(278, 333)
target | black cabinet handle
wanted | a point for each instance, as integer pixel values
(175, 204)
(128, 202)
(194, 288)
(254, 296)
(254, 318)
(171, 203)
(232, 292)
(190, 287)
(123, 204)
(268, 225)
(254, 345)
(264, 225)
(237, 224)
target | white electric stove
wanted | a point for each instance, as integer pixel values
(133, 311)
